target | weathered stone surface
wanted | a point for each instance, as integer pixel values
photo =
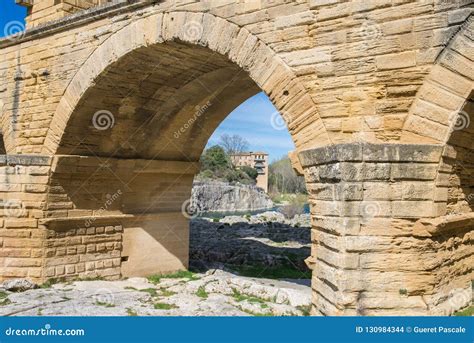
(376, 96)
(138, 296)
(18, 285)
(215, 196)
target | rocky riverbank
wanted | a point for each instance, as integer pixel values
(214, 293)
(263, 245)
(243, 265)
(218, 196)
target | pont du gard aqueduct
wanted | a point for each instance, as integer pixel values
(107, 106)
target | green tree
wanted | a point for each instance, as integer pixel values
(251, 172)
(215, 159)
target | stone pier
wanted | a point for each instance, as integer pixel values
(107, 106)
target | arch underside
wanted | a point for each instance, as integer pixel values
(163, 102)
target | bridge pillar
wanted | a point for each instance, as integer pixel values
(382, 243)
(80, 216)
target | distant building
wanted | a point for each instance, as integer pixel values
(257, 160)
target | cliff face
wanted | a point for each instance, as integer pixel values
(218, 196)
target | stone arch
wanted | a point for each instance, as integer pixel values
(434, 111)
(222, 37)
(149, 181)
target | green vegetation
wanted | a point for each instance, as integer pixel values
(164, 306)
(166, 293)
(305, 309)
(282, 178)
(287, 188)
(131, 312)
(280, 272)
(403, 291)
(251, 299)
(151, 291)
(256, 314)
(4, 298)
(467, 312)
(50, 282)
(201, 292)
(216, 165)
(185, 274)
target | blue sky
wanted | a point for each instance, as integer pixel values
(10, 12)
(251, 120)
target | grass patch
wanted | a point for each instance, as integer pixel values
(130, 288)
(166, 293)
(281, 272)
(256, 314)
(201, 292)
(101, 303)
(164, 306)
(151, 291)
(242, 297)
(4, 298)
(50, 282)
(305, 309)
(182, 274)
(131, 312)
(467, 312)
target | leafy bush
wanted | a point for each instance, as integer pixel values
(216, 165)
(251, 172)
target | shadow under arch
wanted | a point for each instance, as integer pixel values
(458, 160)
(132, 124)
(162, 47)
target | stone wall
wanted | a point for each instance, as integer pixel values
(328, 66)
(375, 249)
(124, 96)
(23, 189)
